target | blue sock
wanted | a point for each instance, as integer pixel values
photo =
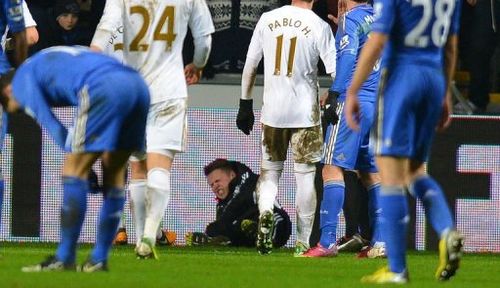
(374, 212)
(331, 205)
(109, 219)
(1, 201)
(72, 216)
(430, 193)
(394, 222)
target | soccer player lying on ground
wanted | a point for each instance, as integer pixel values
(111, 103)
(414, 98)
(345, 148)
(233, 185)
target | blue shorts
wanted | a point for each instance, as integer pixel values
(111, 114)
(410, 105)
(347, 148)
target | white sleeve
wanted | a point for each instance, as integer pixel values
(200, 20)
(110, 21)
(202, 47)
(327, 50)
(28, 19)
(248, 78)
(256, 47)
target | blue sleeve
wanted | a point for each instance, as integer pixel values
(384, 12)
(13, 9)
(455, 18)
(32, 99)
(346, 55)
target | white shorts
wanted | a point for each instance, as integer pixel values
(166, 127)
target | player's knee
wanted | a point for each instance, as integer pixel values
(304, 168)
(162, 153)
(369, 179)
(332, 173)
(159, 178)
(137, 167)
(272, 165)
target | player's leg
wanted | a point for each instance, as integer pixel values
(283, 227)
(376, 249)
(267, 189)
(157, 198)
(429, 192)
(395, 216)
(166, 135)
(330, 208)
(393, 132)
(425, 187)
(137, 189)
(114, 166)
(75, 189)
(306, 144)
(371, 181)
(274, 147)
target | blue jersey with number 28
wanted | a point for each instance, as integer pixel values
(417, 29)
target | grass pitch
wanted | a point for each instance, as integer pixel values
(232, 267)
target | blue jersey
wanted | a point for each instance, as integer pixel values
(74, 76)
(351, 36)
(11, 15)
(417, 29)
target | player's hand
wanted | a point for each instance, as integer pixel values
(330, 112)
(341, 9)
(245, 118)
(95, 48)
(352, 111)
(445, 120)
(192, 74)
(472, 2)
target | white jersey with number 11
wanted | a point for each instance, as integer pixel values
(292, 40)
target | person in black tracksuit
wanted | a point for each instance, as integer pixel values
(234, 185)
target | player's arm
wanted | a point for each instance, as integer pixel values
(370, 53)
(202, 47)
(110, 21)
(346, 59)
(15, 21)
(202, 27)
(450, 61)
(384, 15)
(30, 24)
(27, 92)
(245, 118)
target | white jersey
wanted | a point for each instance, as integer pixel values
(153, 36)
(291, 40)
(114, 46)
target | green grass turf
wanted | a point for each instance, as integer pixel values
(232, 267)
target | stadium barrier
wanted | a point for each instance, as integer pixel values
(465, 160)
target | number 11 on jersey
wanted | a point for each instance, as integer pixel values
(291, 55)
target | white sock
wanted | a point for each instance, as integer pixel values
(305, 200)
(158, 232)
(137, 190)
(267, 188)
(157, 198)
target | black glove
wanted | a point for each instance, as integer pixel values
(330, 113)
(199, 238)
(245, 118)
